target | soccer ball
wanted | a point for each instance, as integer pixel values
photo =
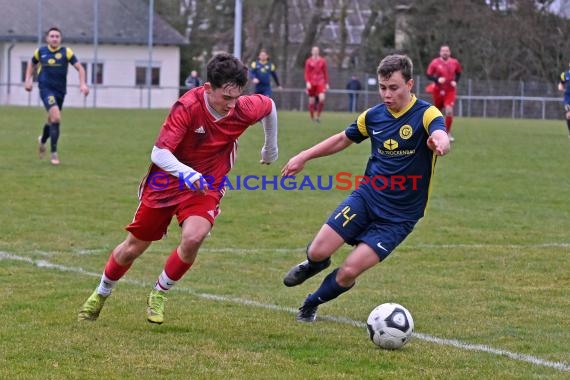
(390, 326)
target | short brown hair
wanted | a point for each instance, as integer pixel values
(396, 62)
(53, 28)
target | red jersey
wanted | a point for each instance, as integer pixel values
(447, 69)
(316, 71)
(200, 141)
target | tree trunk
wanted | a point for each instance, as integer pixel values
(343, 32)
(311, 31)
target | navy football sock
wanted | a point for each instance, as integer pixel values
(568, 125)
(54, 136)
(328, 290)
(45, 133)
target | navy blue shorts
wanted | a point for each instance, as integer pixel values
(354, 222)
(263, 90)
(51, 98)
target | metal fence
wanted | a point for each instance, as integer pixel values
(501, 99)
(475, 98)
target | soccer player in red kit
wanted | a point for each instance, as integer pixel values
(195, 149)
(317, 81)
(444, 71)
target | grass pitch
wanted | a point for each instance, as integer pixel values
(486, 274)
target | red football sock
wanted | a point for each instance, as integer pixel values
(320, 107)
(312, 109)
(113, 270)
(175, 267)
(173, 271)
(448, 122)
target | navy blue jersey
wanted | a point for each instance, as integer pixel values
(565, 80)
(263, 72)
(401, 165)
(52, 69)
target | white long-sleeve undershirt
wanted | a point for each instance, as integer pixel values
(164, 159)
(270, 152)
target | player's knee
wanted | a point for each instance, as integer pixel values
(346, 275)
(54, 118)
(192, 240)
(316, 252)
(130, 249)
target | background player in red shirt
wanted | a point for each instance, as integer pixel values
(197, 143)
(444, 71)
(317, 81)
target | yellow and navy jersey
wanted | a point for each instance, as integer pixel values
(400, 165)
(565, 80)
(263, 71)
(52, 68)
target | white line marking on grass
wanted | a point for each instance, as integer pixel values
(562, 366)
(484, 246)
(414, 246)
(302, 249)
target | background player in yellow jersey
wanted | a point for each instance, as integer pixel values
(564, 86)
(406, 135)
(53, 60)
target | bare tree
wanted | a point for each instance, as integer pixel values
(369, 28)
(343, 31)
(311, 32)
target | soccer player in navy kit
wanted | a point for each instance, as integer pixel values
(53, 60)
(564, 86)
(406, 135)
(261, 71)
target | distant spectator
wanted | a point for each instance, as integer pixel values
(193, 80)
(353, 86)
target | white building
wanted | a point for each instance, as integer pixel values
(116, 63)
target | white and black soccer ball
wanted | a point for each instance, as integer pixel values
(390, 326)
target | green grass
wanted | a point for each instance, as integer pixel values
(488, 265)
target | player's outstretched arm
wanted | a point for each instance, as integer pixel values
(28, 82)
(270, 151)
(332, 145)
(82, 83)
(438, 141)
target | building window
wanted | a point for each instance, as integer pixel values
(23, 71)
(96, 71)
(140, 76)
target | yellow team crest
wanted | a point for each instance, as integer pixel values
(57, 55)
(391, 144)
(406, 132)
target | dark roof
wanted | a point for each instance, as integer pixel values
(120, 22)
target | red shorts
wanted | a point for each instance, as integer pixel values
(316, 89)
(151, 224)
(443, 98)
